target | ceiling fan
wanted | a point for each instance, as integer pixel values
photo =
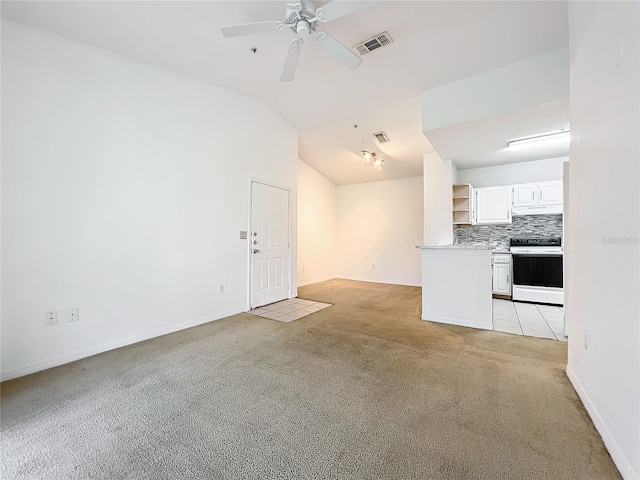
(303, 20)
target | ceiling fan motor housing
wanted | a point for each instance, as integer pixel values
(302, 21)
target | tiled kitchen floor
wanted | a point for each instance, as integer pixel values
(532, 320)
(289, 310)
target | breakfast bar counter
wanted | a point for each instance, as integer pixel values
(457, 285)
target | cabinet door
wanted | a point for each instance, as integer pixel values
(493, 205)
(550, 193)
(501, 280)
(525, 195)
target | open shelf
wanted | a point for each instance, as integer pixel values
(462, 211)
(462, 191)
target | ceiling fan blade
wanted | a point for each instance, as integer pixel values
(291, 62)
(340, 8)
(337, 50)
(249, 28)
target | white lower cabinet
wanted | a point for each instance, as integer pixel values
(493, 205)
(502, 274)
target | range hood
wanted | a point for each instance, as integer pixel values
(536, 210)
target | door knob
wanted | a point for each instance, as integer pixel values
(255, 250)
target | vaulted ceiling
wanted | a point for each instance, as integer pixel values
(434, 43)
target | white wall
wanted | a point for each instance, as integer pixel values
(455, 174)
(541, 79)
(124, 188)
(380, 224)
(438, 213)
(512, 174)
(602, 238)
(317, 226)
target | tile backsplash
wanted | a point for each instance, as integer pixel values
(524, 226)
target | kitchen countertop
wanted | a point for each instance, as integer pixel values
(463, 247)
(454, 247)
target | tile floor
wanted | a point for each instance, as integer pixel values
(532, 320)
(289, 310)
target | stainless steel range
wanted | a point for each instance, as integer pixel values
(537, 270)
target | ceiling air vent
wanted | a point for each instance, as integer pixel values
(380, 40)
(381, 137)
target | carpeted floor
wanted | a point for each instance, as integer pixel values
(361, 390)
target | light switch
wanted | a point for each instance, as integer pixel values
(243, 234)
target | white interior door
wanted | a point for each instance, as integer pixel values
(269, 244)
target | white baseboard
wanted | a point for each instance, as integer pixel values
(458, 323)
(618, 457)
(88, 352)
(315, 281)
(386, 282)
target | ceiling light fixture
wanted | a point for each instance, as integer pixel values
(546, 140)
(372, 157)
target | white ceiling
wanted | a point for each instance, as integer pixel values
(434, 43)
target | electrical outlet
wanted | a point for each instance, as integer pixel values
(221, 288)
(373, 266)
(51, 318)
(304, 269)
(74, 314)
(587, 340)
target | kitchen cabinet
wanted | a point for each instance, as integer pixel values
(462, 204)
(536, 195)
(525, 195)
(550, 193)
(493, 205)
(502, 274)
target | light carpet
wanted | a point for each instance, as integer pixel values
(361, 390)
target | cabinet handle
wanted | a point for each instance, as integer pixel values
(541, 194)
(532, 194)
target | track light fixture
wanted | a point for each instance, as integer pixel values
(372, 157)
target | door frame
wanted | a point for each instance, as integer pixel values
(253, 180)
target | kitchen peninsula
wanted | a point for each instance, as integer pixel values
(457, 285)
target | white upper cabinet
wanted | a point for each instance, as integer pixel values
(537, 198)
(550, 193)
(525, 195)
(493, 205)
